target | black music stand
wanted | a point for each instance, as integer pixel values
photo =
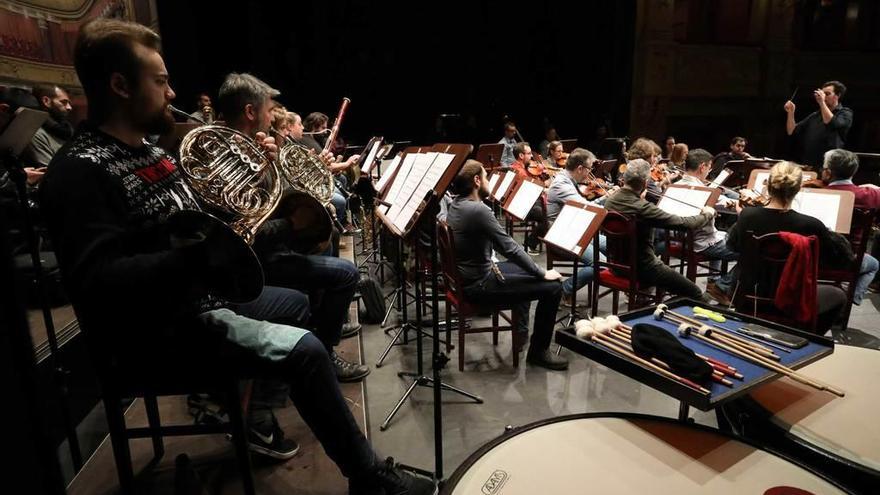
(490, 155)
(425, 214)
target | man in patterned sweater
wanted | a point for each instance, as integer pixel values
(137, 298)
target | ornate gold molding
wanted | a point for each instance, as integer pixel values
(13, 69)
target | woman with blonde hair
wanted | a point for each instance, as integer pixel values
(778, 216)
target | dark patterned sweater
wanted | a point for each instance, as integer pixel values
(105, 204)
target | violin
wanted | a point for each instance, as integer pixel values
(537, 169)
(819, 182)
(560, 162)
(750, 197)
(593, 187)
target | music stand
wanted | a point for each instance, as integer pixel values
(568, 145)
(758, 179)
(686, 201)
(506, 184)
(402, 221)
(574, 229)
(832, 207)
(742, 169)
(522, 197)
(490, 155)
(368, 161)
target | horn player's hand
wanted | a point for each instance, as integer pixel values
(268, 145)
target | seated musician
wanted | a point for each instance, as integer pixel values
(509, 141)
(247, 104)
(630, 201)
(106, 196)
(678, 156)
(523, 154)
(476, 232)
(549, 138)
(838, 170)
(204, 111)
(555, 154)
(314, 126)
(783, 185)
(565, 188)
(57, 129)
(648, 150)
(710, 242)
(737, 152)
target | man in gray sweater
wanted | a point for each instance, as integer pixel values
(476, 232)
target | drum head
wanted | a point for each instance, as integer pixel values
(627, 454)
(238, 273)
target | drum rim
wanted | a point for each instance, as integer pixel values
(462, 468)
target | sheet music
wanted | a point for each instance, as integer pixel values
(505, 185)
(394, 191)
(525, 198)
(389, 172)
(429, 181)
(419, 169)
(569, 227)
(493, 180)
(762, 178)
(720, 178)
(371, 156)
(824, 207)
(686, 198)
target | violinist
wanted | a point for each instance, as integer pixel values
(565, 188)
(837, 171)
(556, 156)
(710, 242)
(660, 178)
(509, 141)
(737, 152)
(522, 153)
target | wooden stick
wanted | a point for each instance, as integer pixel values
(758, 359)
(678, 318)
(608, 342)
(698, 324)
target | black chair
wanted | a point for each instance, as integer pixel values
(117, 387)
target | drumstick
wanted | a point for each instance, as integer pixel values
(721, 366)
(686, 331)
(699, 324)
(717, 376)
(663, 310)
(608, 342)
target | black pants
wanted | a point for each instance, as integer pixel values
(537, 215)
(523, 288)
(670, 280)
(830, 301)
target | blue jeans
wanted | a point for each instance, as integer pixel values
(585, 271)
(330, 283)
(719, 252)
(869, 268)
(340, 204)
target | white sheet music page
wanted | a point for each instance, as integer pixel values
(429, 181)
(419, 168)
(370, 157)
(569, 227)
(526, 196)
(493, 180)
(823, 207)
(720, 178)
(389, 172)
(689, 201)
(505, 185)
(405, 169)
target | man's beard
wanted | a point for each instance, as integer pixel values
(483, 192)
(160, 123)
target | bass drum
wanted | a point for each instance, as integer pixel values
(840, 436)
(312, 225)
(628, 453)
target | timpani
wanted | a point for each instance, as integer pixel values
(628, 453)
(839, 436)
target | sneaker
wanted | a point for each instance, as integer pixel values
(350, 329)
(346, 371)
(547, 359)
(533, 251)
(717, 294)
(566, 300)
(273, 445)
(389, 479)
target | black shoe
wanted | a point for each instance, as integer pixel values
(389, 479)
(351, 229)
(547, 359)
(205, 410)
(350, 329)
(274, 445)
(346, 371)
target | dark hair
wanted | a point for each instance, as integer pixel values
(47, 90)
(17, 98)
(105, 47)
(463, 183)
(842, 164)
(578, 158)
(839, 88)
(315, 120)
(553, 145)
(695, 158)
(737, 139)
(520, 148)
(240, 90)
